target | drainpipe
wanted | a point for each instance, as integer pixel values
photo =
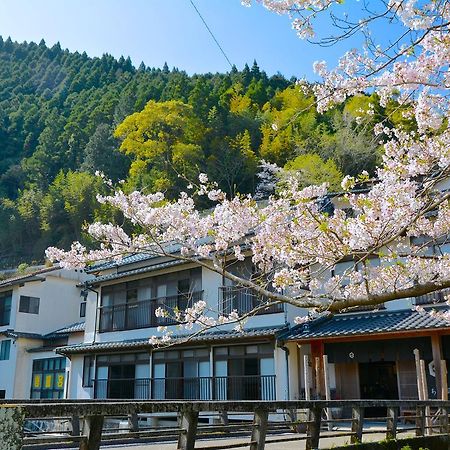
(86, 287)
(286, 352)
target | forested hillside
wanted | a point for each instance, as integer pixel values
(64, 115)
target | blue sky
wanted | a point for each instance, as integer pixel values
(155, 31)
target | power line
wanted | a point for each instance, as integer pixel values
(211, 33)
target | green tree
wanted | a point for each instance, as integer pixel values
(164, 142)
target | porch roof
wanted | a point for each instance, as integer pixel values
(140, 344)
(364, 323)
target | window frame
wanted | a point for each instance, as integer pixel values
(26, 302)
(5, 350)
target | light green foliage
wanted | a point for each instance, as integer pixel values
(312, 169)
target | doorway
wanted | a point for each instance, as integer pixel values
(378, 380)
(121, 381)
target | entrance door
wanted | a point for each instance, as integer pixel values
(174, 380)
(121, 381)
(243, 379)
(378, 380)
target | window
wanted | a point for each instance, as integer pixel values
(48, 378)
(83, 309)
(29, 304)
(5, 348)
(88, 371)
(5, 307)
(2, 394)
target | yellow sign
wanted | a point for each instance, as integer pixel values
(48, 381)
(37, 381)
(60, 380)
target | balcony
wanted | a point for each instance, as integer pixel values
(141, 314)
(432, 297)
(248, 387)
(244, 300)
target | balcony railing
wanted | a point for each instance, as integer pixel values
(248, 387)
(141, 314)
(244, 300)
(432, 297)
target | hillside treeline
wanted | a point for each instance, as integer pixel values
(64, 115)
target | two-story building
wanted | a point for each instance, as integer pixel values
(39, 311)
(116, 359)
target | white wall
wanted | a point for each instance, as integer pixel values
(8, 369)
(59, 302)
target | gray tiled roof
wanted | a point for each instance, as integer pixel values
(119, 275)
(358, 324)
(131, 259)
(61, 333)
(182, 339)
(19, 334)
(30, 276)
(65, 331)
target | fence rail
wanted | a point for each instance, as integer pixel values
(253, 421)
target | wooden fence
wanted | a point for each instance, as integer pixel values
(255, 423)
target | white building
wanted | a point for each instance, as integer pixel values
(116, 359)
(39, 311)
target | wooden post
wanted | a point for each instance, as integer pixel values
(259, 430)
(443, 421)
(444, 382)
(12, 419)
(418, 374)
(317, 375)
(133, 422)
(436, 348)
(307, 378)
(75, 421)
(313, 429)
(357, 425)
(326, 377)
(420, 421)
(391, 426)
(93, 432)
(188, 433)
(423, 375)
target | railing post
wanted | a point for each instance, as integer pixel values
(313, 428)
(75, 421)
(391, 426)
(420, 421)
(357, 424)
(188, 432)
(93, 432)
(259, 430)
(443, 421)
(11, 427)
(133, 422)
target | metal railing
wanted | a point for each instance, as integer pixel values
(244, 300)
(246, 387)
(250, 424)
(141, 314)
(432, 297)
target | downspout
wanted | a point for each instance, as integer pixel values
(96, 309)
(286, 352)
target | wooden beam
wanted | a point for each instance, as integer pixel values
(444, 382)
(436, 348)
(357, 425)
(307, 377)
(418, 373)
(326, 379)
(313, 428)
